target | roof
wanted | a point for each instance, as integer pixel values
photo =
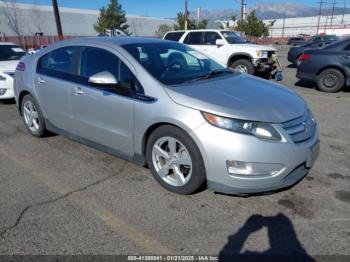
(119, 40)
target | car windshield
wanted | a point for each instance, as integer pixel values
(174, 63)
(233, 38)
(10, 52)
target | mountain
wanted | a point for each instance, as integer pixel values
(269, 11)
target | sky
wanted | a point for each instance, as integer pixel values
(162, 8)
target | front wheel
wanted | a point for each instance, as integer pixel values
(330, 80)
(175, 160)
(243, 66)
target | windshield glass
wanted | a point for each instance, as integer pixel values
(233, 38)
(172, 63)
(10, 52)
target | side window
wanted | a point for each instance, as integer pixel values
(59, 60)
(174, 36)
(193, 38)
(211, 37)
(96, 60)
(127, 79)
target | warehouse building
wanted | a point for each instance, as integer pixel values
(32, 19)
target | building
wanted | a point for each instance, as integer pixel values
(33, 19)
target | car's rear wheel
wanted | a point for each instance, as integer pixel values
(175, 160)
(243, 66)
(32, 116)
(330, 80)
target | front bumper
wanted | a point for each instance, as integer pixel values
(218, 146)
(271, 65)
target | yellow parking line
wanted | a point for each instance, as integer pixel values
(135, 235)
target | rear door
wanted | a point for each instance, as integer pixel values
(103, 116)
(53, 80)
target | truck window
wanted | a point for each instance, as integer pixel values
(193, 38)
(174, 36)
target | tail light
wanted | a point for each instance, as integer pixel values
(21, 66)
(305, 57)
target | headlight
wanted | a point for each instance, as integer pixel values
(261, 53)
(259, 129)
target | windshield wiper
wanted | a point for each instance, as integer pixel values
(212, 74)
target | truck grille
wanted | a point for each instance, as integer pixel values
(300, 129)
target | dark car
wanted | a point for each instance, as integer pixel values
(294, 41)
(329, 67)
(316, 42)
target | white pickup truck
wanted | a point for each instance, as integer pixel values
(230, 50)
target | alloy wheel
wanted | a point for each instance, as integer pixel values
(31, 116)
(172, 161)
(242, 68)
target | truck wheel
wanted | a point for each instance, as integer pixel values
(244, 66)
(330, 80)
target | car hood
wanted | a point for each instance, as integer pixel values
(240, 96)
(255, 47)
(8, 66)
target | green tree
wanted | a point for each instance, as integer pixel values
(162, 30)
(191, 24)
(112, 17)
(253, 26)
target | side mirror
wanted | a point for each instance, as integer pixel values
(103, 79)
(219, 42)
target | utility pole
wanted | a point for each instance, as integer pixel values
(284, 24)
(332, 14)
(319, 17)
(342, 19)
(186, 15)
(57, 19)
(242, 16)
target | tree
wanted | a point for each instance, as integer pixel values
(10, 11)
(162, 30)
(112, 17)
(191, 24)
(253, 26)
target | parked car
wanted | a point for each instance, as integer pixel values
(328, 67)
(230, 50)
(296, 52)
(296, 41)
(10, 55)
(163, 103)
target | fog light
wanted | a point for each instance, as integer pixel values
(2, 91)
(246, 169)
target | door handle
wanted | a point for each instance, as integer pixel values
(40, 80)
(78, 91)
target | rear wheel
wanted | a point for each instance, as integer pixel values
(175, 160)
(32, 116)
(244, 66)
(330, 80)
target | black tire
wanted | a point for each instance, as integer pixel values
(41, 131)
(245, 63)
(198, 177)
(330, 80)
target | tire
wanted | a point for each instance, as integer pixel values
(32, 116)
(163, 168)
(245, 64)
(330, 80)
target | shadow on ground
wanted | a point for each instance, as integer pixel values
(284, 244)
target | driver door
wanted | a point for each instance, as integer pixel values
(209, 47)
(103, 116)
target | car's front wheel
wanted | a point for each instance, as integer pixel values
(32, 116)
(330, 80)
(175, 160)
(243, 66)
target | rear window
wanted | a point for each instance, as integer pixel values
(11, 52)
(174, 36)
(193, 38)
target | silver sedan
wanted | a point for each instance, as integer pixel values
(162, 104)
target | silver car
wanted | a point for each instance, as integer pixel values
(162, 104)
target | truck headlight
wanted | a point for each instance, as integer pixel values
(258, 129)
(261, 54)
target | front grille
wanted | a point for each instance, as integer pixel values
(12, 74)
(302, 128)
